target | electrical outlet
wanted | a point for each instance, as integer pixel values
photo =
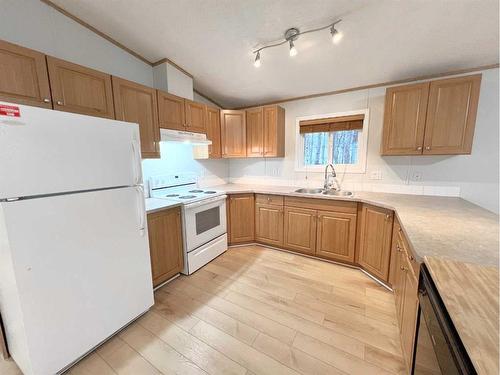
(417, 176)
(375, 175)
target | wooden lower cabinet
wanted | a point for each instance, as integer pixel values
(241, 218)
(336, 236)
(375, 240)
(165, 244)
(300, 229)
(269, 224)
(409, 309)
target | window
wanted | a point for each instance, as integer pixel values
(339, 139)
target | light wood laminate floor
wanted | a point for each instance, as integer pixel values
(255, 310)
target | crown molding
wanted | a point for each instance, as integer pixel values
(167, 60)
(371, 86)
(207, 97)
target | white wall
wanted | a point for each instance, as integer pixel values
(475, 177)
(33, 24)
(178, 157)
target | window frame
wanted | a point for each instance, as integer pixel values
(359, 167)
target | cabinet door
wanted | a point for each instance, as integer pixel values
(404, 119)
(233, 133)
(336, 236)
(137, 103)
(255, 130)
(23, 76)
(375, 241)
(212, 118)
(409, 317)
(242, 218)
(171, 111)
(78, 89)
(274, 131)
(451, 115)
(269, 224)
(399, 281)
(165, 244)
(300, 229)
(195, 116)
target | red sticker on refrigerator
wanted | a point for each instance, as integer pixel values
(10, 110)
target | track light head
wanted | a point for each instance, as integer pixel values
(336, 35)
(257, 62)
(293, 50)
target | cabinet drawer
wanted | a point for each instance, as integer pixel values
(276, 200)
(415, 266)
(322, 204)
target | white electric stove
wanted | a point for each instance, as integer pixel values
(203, 215)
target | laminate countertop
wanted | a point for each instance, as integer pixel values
(156, 204)
(446, 227)
(470, 294)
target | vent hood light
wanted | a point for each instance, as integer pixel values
(178, 136)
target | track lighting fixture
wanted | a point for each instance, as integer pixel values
(256, 63)
(293, 34)
(293, 50)
(336, 35)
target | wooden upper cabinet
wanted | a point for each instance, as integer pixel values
(300, 230)
(269, 224)
(274, 131)
(137, 103)
(171, 112)
(255, 132)
(431, 118)
(242, 218)
(23, 76)
(233, 133)
(336, 236)
(451, 115)
(212, 117)
(375, 240)
(78, 89)
(404, 119)
(195, 116)
(165, 244)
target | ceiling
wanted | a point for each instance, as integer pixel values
(384, 40)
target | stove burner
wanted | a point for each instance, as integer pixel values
(210, 192)
(187, 196)
(171, 195)
(195, 191)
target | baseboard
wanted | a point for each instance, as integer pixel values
(316, 258)
(166, 282)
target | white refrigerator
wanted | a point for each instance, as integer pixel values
(74, 253)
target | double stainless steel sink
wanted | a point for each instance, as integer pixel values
(332, 192)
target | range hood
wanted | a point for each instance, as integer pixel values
(179, 136)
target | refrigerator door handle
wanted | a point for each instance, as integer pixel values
(137, 162)
(142, 210)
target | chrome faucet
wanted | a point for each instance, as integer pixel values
(328, 184)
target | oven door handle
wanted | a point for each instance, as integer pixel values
(206, 201)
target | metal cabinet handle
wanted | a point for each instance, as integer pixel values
(59, 102)
(427, 147)
(419, 148)
(403, 268)
(46, 100)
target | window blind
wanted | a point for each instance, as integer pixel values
(353, 122)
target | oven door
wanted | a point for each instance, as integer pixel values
(204, 221)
